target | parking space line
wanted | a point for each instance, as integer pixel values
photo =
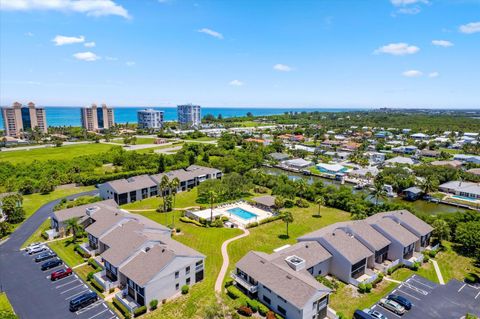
(98, 314)
(81, 292)
(408, 294)
(477, 295)
(461, 288)
(421, 283)
(94, 305)
(71, 289)
(67, 283)
(416, 289)
(393, 313)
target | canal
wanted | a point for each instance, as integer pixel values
(420, 206)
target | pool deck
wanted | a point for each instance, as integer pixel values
(222, 210)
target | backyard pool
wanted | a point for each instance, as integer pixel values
(464, 198)
(242, 213)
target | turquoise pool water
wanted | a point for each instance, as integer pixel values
(464, 198)
(242, 213)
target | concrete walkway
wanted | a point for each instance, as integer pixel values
(226, 260)
(437, 270)
(392, 280)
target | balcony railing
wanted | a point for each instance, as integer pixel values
(366, 278)
(245, 284)
(126, 300)
(386, 265)
(104, 281)
(417, 257)
(87, 249)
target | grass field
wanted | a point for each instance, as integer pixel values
(37, 235)
(183, 199)
(64, 250)
(5, 306)
(453, 265)
(53, 153)
(140, 140)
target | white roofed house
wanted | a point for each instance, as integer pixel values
(296, 163)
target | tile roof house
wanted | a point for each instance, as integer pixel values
(137, 254)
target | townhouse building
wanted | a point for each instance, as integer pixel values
(137, 255)
(135, 188)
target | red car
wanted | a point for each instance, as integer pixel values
(59, 274)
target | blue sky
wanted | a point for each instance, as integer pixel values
(394, 53)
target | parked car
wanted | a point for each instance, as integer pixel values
(375, 314)
(401, 300)
(59, 274)
(45, 256)
(51, 264)
(82, 301)
(33, 244)
(359, 314)
(392, 306)
(36, 249)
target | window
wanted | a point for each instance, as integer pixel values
(266, 299)
(310, 270)
(282, 311)
(177, 274)
(198, 263)
(187, 281)
(266, 288)
(187, 270)
(177, 285)
(281, 299)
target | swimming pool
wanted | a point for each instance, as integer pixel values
(242, 213)
(464, 198)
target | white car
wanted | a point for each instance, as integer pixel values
(375, 314)
(392, 306)
(33, 244)
(36, 249)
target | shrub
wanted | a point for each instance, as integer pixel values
(270, 315)
(97, 286)
(251, 225)
(394, 268)
(185, 289)
(368, 287)
(234, 292)
(302, 203)
(94, 264)
(121, 307)
(288, 203)
(340, 315)
(426, 258)
(90, 276)
(432, 253)
(377, 280)
(45, 235)
(153, 304)
(262, 309)
(415, 266)
(191, 221)
(471, 278)
(252, 304)
(361, 288)
(228, 282)
(245, 311)
(178, 230)
(330, 284)
(139, 311)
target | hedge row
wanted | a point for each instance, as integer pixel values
(88, 179)
(97, 286)
(80, 251)
(264, 221)
(139, 311)
(95, 265)
(121, 307)
(190, 221)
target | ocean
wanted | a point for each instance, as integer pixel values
(70, 115)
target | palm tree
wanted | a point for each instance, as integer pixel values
(174, 184)
(429, 184)
(163, 187)
(279, 202)
(71, 225)
(212, 196)
(320, 201)
(441, 230)
(287, 219)
(378, 191)
(301, 186)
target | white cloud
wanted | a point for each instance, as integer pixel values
(89, 7)
(400, 3)
(472, 27)
(412, 74)
(62, 40)
(433, 75)
(86, 56)
(397, 49)
(236, 83)
(282, 67)
(442, 43)
(211, 32)
(413, 10)
(111, 58)
(89, 44)
(29, 34)
(130, 63)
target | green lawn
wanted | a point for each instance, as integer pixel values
(64, 250)
(347, 299)
(5, 306)
(37, 235)
(454, 266)
(202, 139)
(427, 271)
(183, 199)
(207, 241)
(140, 140)
(54, 153)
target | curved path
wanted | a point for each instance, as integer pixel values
(226, 261)
(28, 301)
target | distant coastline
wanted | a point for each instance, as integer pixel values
(70, 115)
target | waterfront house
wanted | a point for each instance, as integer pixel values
(412, 193)
(296, 164)
(279, 156)
(331, 169)
(469, 190)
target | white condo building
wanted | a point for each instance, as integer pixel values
(189, 115)
(150, 119)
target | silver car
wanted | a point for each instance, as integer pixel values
(36, 249)
(392, 306)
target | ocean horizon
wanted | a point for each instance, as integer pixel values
(70, 115)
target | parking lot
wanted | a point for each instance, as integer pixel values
(61, 291)
(431, 300)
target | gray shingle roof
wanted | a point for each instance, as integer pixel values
(365, 232)
(348, 246)
(131, 184)
(81, 211)
(266, 200)
(296, 287)
(393, 229)
(405, 217)
(311, 251)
